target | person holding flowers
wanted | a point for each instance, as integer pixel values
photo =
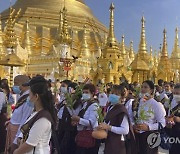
(118, 125)
(148, 114)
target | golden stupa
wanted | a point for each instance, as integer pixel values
(40, 29)
(63, 39)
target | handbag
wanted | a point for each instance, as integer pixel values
(84, 138)
(164, 138)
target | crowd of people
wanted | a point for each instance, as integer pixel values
(61, 117)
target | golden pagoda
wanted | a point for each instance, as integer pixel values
(63, 39)
(111, 60)
(175, 56)
(140, 65)
(164, 67)
(53, 27)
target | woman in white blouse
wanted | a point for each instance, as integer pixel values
(87, 115)
(36, 141)
(117, 124)
(147, 114)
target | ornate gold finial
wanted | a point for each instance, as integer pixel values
(10, 36)
(27, 38)
(131, 52)
(151, 51)
(111, 40)
(60, 29)
(123, 49)
(155, 59)
(151, 57)
(164, 52)
(176, 50)
(2, 51)
(65, 36)
(85, 50)
(143, 44)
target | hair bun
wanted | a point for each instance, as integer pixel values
(37, 79)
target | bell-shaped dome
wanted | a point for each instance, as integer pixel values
(75, 7)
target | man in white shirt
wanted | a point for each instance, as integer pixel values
(22, 111)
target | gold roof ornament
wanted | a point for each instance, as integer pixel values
(176, 49)
(2, 51)
(143, 44)
(151, 57)
(123, 49)
(138, 64)
(60, 28)
(112, 45)
(111, 40)
(131, 52)
(12, 60)
(27, 39)
(155, 58)
(164, 52)
(10, 36)
(65, 36)
(85, 50)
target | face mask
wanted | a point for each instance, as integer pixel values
(177, 98)
(146, 95)
(141, 95)
(86, 97)
(16, 90)
(29, 102)
(64, 90)
(114, 99)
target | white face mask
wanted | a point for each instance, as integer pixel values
(177, 98)
(142, 95)
(64, 90)
(86, 97)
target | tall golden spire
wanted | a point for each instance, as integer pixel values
(2, 51)
(155, 59)
(164, 52)
(151, 51)
(10, 36)
(111, 40)
(176, 49)
(131, 52)
(85, 51)
(123, 49)
(151, 56)
(65, 33)
(60, 25)
(143, 44)
(27, 39)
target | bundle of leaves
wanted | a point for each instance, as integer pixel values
(72, 98)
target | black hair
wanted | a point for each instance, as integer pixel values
(45, 95)
(120, 89)
(150, 83)
(160, 82)
(131, 87)
(67, 82)
(125, 84)
(90, 87)
(73, 85)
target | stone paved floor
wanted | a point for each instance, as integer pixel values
(161, 151)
